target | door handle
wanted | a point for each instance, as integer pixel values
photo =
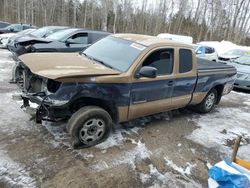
(170, 83)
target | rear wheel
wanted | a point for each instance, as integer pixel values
(89, 126)
(208, 102)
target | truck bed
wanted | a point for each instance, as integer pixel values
(203, 64)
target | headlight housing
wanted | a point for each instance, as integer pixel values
(247, 77)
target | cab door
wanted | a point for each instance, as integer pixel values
(153, 95)
(186, 77)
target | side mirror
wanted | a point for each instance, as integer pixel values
(69, 41)
(199, 52)
(147, 71)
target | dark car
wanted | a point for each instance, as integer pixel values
(36, 35)
(4, 24)
(14, 28)
(68, 40)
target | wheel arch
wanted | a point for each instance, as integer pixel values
(110, 107)
(219, 88)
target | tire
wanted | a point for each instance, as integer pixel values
(89, 126)
(208, 102)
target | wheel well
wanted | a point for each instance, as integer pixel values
(86, 101)
(219, 89)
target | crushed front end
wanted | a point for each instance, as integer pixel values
(50, 95)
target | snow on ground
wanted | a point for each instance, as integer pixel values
(220, 127)
(186, 171)
(158, 179)
(140, 152)
(16, 120)
(13, 173)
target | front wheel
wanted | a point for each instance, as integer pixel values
(89, 126)
(208, 102)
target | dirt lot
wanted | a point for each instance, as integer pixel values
(171, 150)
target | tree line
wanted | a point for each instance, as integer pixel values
(202, 19)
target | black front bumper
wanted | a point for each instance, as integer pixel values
(47, 110)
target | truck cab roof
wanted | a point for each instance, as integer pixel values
(147, 40)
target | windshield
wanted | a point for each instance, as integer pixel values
(25, 31)
(60, 35)
(41, 32)
(45, 31)
(114, 52)
(235, 52)
(243, 60)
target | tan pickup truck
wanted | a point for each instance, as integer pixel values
(120, 78)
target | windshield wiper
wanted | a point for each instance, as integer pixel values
(101, 62)
(97, 60)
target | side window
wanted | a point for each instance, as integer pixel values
(80, 38)
(17, 27)
(209, 50)
(162, 60)
(25, 27)
(185, 60)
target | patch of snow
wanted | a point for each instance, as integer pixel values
(179, 145)
(56, 129)
(140, 152)
(235, 121)
(116, 138)
(33, 105)
(88, 156)
(189, 168)
(159, 176)
(193, 150)
(12, 116)
(165, 180)
(247, 102)
(145, 178)
(14, 174)
(209, 165)
(186, 171)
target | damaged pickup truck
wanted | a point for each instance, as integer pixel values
(120, 78)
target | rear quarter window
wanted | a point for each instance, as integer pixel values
(185, 60)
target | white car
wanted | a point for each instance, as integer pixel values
(206, 52)
(4, 38)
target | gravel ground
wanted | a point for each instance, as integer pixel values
(171, 150)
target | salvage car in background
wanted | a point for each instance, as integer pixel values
(206, 52)
(66, 40)
(4, 24)
(14, 28)
(18, 45)
(242, 64)
(231, 55)
(117, 79)
(6, 37)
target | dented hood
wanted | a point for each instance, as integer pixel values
(32, 39)
(62, 65)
